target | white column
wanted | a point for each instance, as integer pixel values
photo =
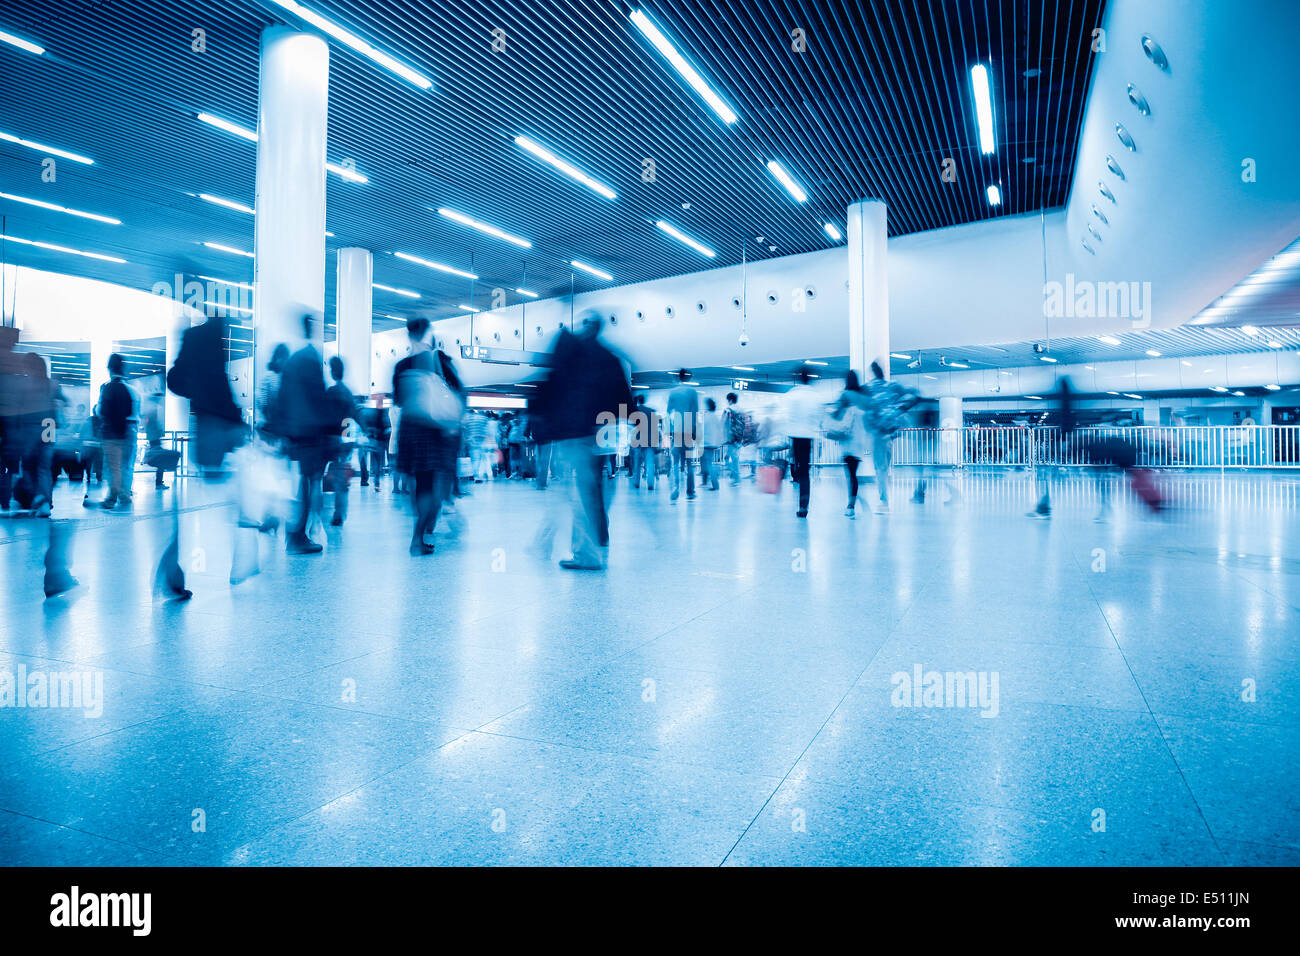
(353, 295)
(868, 287)
(101, 347)
(289, 237)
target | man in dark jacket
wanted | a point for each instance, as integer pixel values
(586, 390)
(342, 409)
(118, 412)
(302, 407)
(199, 374)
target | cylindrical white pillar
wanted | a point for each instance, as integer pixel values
(353, 297)
(289, 236)
(868, 287)
(950, 422)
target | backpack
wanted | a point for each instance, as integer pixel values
(735, 427)
(890, 405)
(750, 433)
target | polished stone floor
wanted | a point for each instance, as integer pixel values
(727, 692)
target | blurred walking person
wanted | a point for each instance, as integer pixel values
(1065, 417)
(804, 410)
(645, 443)
(683, 434)
(426, 431)
(586, 389)
(733, 426)
(303, 408)
(850, 431)
(119, 412)
(712, 439)
(342, 411)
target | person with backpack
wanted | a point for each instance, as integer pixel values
(886, 405)
(118, 406)
(733, 427)
(850, 431)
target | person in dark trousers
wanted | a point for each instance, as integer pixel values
(378, 429)
(302, 408)
(851, 434)
(342, 408)
(803, 411)
(733, 427)
(118, 412)
(426, 452)
(644, 423)
(586, 388)
(683, 432)
(1065, 418)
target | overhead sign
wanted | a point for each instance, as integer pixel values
(498, 356)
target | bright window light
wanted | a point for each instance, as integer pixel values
(483, 227)
(228, 203)
(979, 80)
(230, 249)
(435, 265)
(21, 43)
(995, 196)
(683, 67)
(780, 174)
(683, 238)
(234, 129)
(833, 232)
(573, 172)
(406, 292)
(599, 273)
(64, 209)
(53, 248)
(42, 148)
(527, 292)
(350, 39)
(1109, 340)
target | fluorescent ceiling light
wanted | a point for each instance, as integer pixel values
(527, 292)
(1250, 330)
(235, 129)
(1109, 340)
(54, 248)
(64, 209)
(1274, 344)
(1046, 358)
(995, 196)
(1153, 353)
(573, 172)
(435, 265)
(1273, 388)
(1037, 398)
(42, 148)
(813, 362)
(231, 249)
(958, 365)
(406, 292)
(1131, 395)
(785, 179)
(483, 227)
(1240, 394)
(682, 237)
(355, 42)
(979, 79)
(468, 308)
(241, 285)
(1217, 388)
(21, 43)
(592, 269)
(682, 66)
(228, 203)
(229, 308)
(743, 368)
(899, 355)
(832, 231)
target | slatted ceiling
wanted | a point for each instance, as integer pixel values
(879, 99)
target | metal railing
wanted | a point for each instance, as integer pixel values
(1155, 446)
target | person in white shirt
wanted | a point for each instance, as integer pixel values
(712, 438)
(849, 428)
(804, 411)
